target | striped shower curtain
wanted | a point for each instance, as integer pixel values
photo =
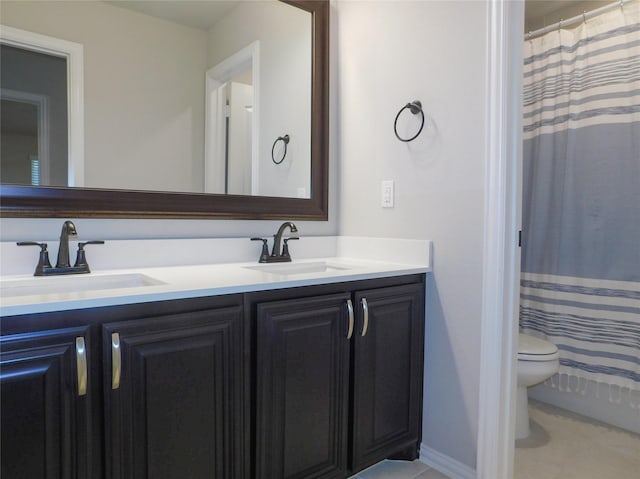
(580, 282)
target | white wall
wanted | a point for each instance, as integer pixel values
(548, 14)
(390, 53)
(144, 91)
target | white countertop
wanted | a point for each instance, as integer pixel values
(23, 293)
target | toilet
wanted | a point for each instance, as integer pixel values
(538, 360)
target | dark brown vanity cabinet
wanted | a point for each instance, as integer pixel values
(388, 374)
(338, 379)
(310, 382)
(44, 405)
(173, 395)
(302, 383)
(153, 390)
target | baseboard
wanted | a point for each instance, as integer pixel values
(445, 464)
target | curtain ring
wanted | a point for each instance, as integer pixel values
(414, 107)
(285, 140)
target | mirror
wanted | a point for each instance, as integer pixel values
(264, 176)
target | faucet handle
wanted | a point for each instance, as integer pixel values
(43, 246)
(285, 246)
(81, 259)
(264, 255)
(82, 244)
(43, 261)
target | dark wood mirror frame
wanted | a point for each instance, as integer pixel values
(59, 202)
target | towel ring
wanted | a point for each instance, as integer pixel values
(414, 107)
(285, 140)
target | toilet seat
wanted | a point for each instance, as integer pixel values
(531, 348)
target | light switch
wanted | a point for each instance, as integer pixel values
(387, 194)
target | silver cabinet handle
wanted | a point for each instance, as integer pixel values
(116, 361)
(351, 320)
(81, 366)
(365, 313)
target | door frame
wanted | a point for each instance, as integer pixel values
(501, 254)
(215, 116)
(74, 54)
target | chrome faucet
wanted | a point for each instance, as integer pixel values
(68, 229)
(280, 251)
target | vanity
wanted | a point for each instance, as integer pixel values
(236, 370)
(188, 359)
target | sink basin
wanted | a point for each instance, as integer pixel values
(298, 268)
(73, 284)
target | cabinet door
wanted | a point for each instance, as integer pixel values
(302, 388)
(388, 365)
(174, 411)
(44, 414)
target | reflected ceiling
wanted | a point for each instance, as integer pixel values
(198, 14)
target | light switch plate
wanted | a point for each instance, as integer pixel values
(387, 194)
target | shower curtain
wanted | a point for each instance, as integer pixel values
(580, 281)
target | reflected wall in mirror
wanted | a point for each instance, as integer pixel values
(154, 117)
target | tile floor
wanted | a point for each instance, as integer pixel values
(399, 470)
(564, 445)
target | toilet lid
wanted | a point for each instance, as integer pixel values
(531, 346)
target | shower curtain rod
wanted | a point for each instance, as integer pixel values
(578, 18)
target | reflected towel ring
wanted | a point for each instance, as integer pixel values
(284, 139)
(414, 107)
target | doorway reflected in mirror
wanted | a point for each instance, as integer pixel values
(33, 125)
